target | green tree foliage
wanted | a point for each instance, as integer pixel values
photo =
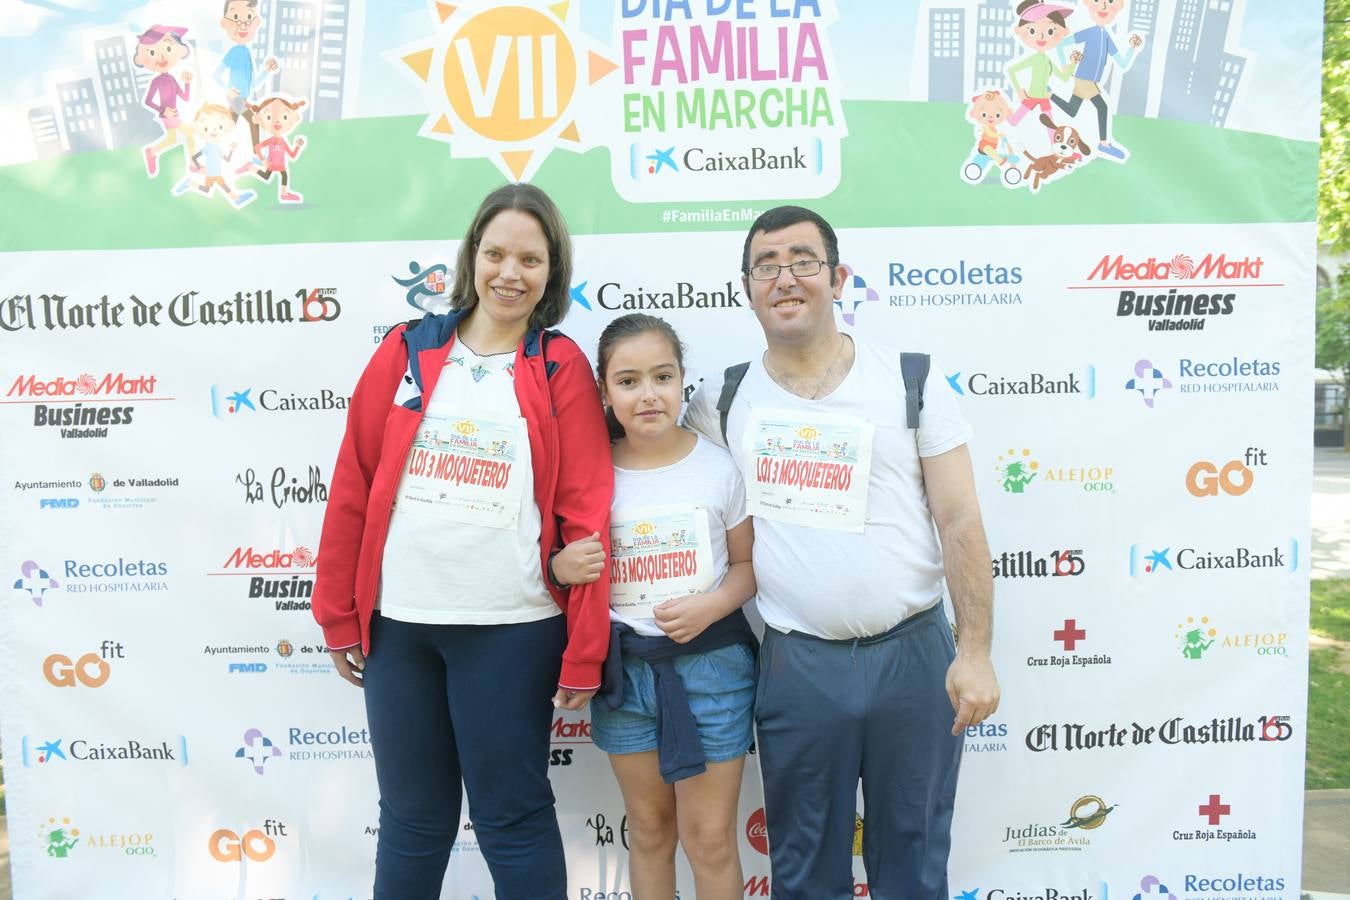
(1333, 339)
(1333, 194)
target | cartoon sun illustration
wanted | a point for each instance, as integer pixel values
(503, 82)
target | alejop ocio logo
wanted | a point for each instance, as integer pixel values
(53, 312)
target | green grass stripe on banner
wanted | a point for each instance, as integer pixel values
(376, 180)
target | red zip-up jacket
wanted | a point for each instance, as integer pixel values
(573, 479)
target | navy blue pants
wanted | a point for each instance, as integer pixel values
(831, 712)
(470, 702)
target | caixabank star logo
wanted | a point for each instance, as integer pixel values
(505, 83)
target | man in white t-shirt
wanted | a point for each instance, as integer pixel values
(859, 675)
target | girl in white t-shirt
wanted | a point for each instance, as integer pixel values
(679, 573)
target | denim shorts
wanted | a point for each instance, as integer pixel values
(721, 689)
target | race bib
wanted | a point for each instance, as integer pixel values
(465, 469)
(807, 469)
(657, 554)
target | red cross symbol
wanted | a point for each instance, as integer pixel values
(1070, 634)
(1215, 810)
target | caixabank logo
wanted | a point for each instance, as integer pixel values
(1180, 292)
(284, 576)
(1079, 383)
(1162, 559)
(59, 753)
(963, 283)
(84, 405)
(189, 309)
(1040, 892)
(236, 401)
(620, 296)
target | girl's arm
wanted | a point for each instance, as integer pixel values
(686, 618)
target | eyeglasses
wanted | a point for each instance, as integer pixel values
(802, 268)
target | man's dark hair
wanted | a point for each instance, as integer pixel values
(781, 217)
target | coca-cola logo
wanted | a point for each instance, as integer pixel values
(757, 831)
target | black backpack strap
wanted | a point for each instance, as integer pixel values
(914, 371)
(731, 382)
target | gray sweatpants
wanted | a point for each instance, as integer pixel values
(830, 712)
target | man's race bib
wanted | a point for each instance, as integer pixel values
(806, 469)
(465, 469)
(657, 554)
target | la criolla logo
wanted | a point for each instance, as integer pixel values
(506, 83)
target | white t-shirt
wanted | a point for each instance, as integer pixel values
(463, 542)
(705, 483)
(820, 578)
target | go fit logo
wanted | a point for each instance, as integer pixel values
(257, 845)
(89, 670)
(1234, 478)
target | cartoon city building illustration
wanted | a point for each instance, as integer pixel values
(946, 54)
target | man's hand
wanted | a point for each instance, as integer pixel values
(1136, 41)
(684, 618)
(187, 78)
(568, 699)
(272, 64)
(1076, 57)
(581, 561)
(972, 687)
(350, 664)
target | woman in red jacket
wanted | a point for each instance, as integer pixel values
(475, 447)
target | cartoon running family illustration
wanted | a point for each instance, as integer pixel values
(213, 158)
(1043, 28)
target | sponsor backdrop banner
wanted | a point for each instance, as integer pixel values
(211, 221)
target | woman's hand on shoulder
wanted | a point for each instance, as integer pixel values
(350, 663)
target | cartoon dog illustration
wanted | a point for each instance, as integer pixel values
(1066, 148)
